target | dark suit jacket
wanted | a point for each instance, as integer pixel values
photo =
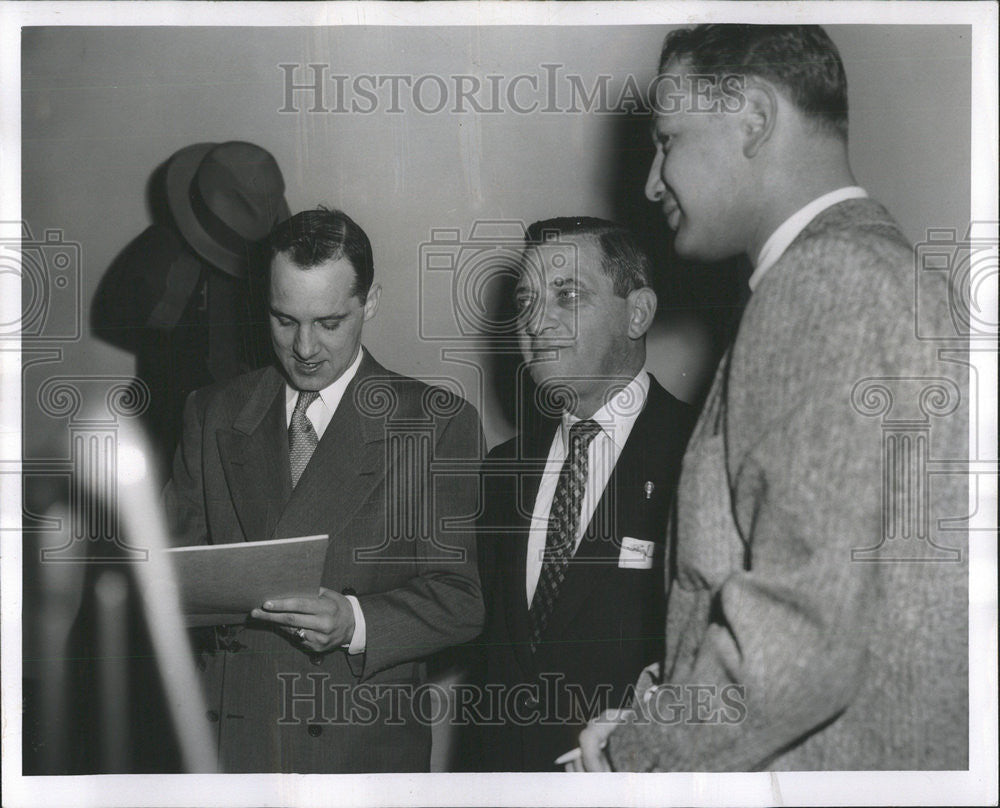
(608, 621)
(370, 486)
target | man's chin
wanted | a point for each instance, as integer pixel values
(706, 251)
(556, 394)
(684, 246)
(308, 382)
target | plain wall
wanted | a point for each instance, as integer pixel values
(104, 107)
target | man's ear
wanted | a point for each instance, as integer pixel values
(641, 311)
(759, 115)
(371, 302)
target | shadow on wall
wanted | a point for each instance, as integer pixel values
(190, 314)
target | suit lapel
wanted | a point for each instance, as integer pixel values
(599, 549)
(347, 465)
(532, 454)
(254, 455)
(620, 508)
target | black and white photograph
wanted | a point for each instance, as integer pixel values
(525, 403)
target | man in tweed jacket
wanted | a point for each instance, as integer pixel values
(817, 597)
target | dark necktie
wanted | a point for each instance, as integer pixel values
(302, 438)
(564, 519)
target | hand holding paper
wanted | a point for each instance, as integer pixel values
(327, 621)
(221, 583)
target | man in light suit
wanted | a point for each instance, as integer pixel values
(571, 539)
(329, 441)
(816, 614)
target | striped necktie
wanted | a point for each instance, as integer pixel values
(564, 520)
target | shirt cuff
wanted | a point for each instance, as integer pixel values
(360, 638)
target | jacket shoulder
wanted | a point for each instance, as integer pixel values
(231, 392)
(504, 451)
(853, 243)
(387, 394)
(662, 400)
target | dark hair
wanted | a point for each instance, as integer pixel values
(622, 259)
(314, 237)
(800, 59)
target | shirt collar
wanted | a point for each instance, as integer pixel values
(786, 233)
(333, 392)
(617, 416)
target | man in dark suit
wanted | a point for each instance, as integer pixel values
(817, 613)
(331, 442)
(572, 535)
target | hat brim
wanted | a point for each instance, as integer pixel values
(180, 174)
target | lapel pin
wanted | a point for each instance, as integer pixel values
(648, 488)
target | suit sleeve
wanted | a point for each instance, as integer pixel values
(184, 495)
(785, 647)
(441, 605)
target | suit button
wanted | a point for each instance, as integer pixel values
(529, 701)
(315, 731)
(201, 663)
(316, 659)
(212, 716)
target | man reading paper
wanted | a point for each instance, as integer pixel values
(323, 443)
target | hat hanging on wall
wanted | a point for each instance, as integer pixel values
(224, 198)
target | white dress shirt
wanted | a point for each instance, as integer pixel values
(616, 419)
(789, 229)
(320, 413)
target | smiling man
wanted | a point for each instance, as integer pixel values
(571, 539)
(817, 613)
(319, 444)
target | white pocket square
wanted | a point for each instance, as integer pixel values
(636, 554)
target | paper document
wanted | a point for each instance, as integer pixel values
(221, 583)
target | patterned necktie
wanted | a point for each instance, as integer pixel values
(564, 519)
(302, 438)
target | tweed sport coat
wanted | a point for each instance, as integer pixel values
(370, 486)
(817, 613)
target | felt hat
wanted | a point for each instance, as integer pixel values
(225, 197)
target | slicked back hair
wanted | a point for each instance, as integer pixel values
(801, 59)
(622, 259)
(313, 237)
